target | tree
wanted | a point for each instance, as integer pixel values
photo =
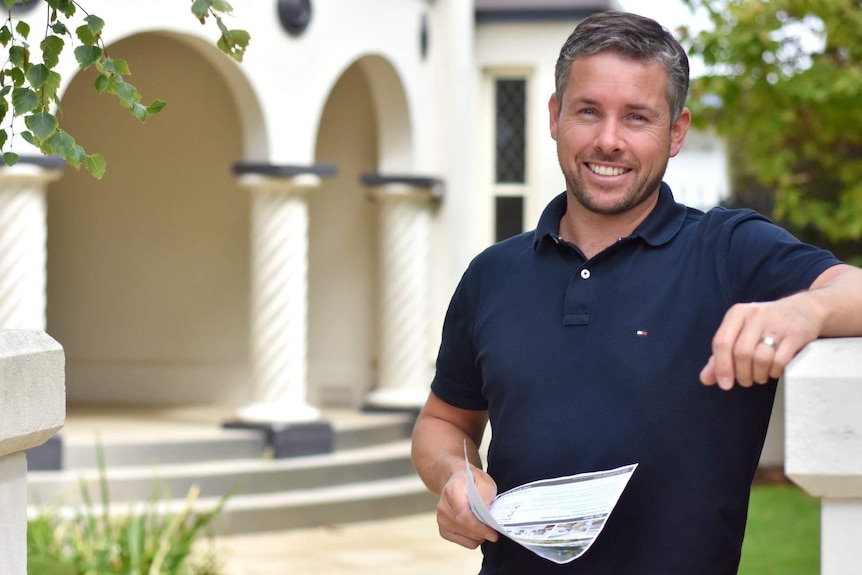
(29, 86)
(784, 86)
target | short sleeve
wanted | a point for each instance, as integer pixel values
(765, 262)
(458, 380)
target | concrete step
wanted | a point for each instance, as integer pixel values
(212, 443)
(368, 476)
(215, 478)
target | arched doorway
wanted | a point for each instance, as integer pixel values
(364, 128)
(148, 268)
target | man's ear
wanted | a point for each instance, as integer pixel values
(554, 113)
(678, 131)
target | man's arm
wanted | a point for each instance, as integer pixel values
(438, 456)
(756, 341)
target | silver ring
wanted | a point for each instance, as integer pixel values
(770, 341)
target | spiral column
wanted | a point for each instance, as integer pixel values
(23, 235)
(279, 298)
(405, 364)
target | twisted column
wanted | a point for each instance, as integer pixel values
(405, 363)
(23, 235)
(279, 299)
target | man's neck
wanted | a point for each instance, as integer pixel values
(592, 233)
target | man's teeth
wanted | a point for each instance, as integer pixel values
(606, 170)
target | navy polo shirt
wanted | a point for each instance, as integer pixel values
(589, 364)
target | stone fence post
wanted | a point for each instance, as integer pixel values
(32, 409)
(823, 444)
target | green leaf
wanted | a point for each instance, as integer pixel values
(19, 56)
(4, 109)
(96, 165)
(101, 83)
(60, 143)
(11, 158)
(52, 47)
(17, 75)
(87, 55)
(221, 6)
(139, 111)
(86, 36)
(127, 93)
(200, 8)
(28, 137)
(24, 100)
(3, 137)
(59, 28)
(95, 24)
(38, 75)
(154, 108)
(120, 66)
(22, 28)
(42, 124)
(10, 3)
(5, 35)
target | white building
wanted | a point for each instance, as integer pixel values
(286, 234)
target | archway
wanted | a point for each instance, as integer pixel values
(364, 128)
(148, 268)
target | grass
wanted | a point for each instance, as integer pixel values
(783, 533)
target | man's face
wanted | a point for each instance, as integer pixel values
(613, 131)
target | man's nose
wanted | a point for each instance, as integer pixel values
(609, 137)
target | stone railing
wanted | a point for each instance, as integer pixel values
(32, 409)
(823, 444)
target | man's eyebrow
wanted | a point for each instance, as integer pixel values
(634, 106)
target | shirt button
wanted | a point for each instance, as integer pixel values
(585, 274)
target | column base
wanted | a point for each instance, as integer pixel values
(285, 440)
(278, 413)
(409, 400)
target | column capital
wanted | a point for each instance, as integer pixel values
(273, 178)
(30, 170)
(424, 188)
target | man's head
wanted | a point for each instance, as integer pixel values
(630, 36)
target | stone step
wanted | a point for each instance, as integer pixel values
(215, 478)
(212, 443)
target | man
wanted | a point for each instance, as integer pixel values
(598, 340)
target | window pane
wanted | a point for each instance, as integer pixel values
(511, 100)
(509, 217)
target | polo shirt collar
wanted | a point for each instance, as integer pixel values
(659, 227)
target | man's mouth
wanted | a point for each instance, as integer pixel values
(606, 170)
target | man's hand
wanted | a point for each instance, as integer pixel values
(455, 519)
(756, 341)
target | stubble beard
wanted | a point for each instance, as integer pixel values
(635, 195)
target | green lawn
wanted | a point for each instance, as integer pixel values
(783, 533)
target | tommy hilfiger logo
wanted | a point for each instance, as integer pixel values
(641, 333)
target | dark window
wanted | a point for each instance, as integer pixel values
(511, 119)
(509, 217)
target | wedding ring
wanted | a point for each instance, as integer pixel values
(770, 341)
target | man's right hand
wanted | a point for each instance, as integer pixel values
(455, 519)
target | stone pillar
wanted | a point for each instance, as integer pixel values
(823, 443)
(405, 220)
(23, 234)
(32, 386)
(279, 298)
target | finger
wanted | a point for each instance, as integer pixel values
(746, 350)
(707, 374)
(723, 344)
(764, 356)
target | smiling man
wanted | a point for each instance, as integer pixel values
(598, 339)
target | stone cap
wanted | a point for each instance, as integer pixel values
(32, 389)
(823, 418)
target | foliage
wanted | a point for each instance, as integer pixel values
(29, 85)
(146, 541)
(783, 533)
(784, 85)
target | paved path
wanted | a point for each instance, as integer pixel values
(402, 546)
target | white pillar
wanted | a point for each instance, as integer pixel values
(823, 443)
(279, 298)
(405, 361)
(23, 234)
(33, 408)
